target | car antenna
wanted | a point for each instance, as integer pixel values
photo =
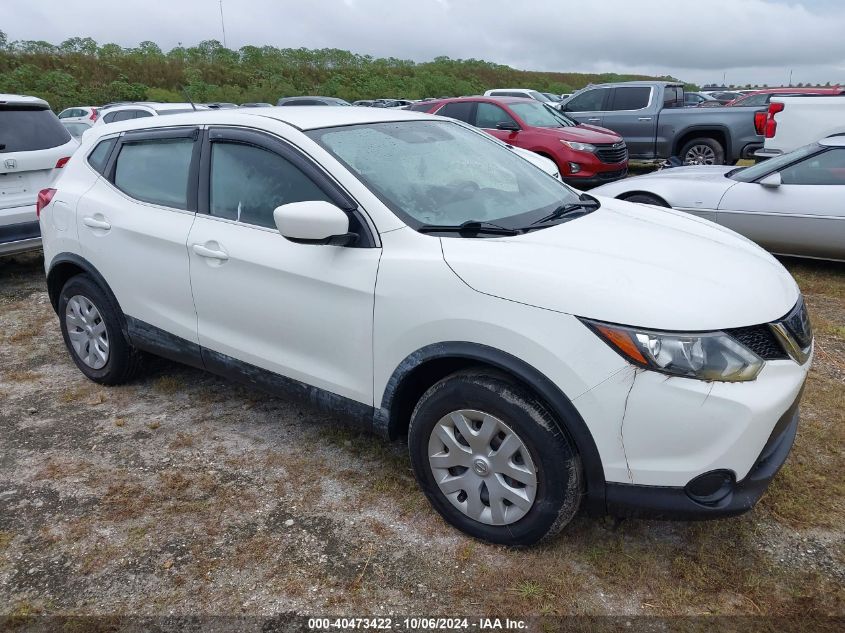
(188, 96)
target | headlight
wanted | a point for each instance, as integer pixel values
(579, 147)
(702, 355)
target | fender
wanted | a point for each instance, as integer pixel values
(55, 283)
(570, 420)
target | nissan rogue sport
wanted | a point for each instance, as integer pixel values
(543, 350)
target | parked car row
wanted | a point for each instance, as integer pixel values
(410, 273)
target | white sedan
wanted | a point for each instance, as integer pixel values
(791, 205)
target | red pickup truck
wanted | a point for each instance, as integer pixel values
(586, 155)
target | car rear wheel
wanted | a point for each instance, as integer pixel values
(703, 151)
(91, 330)
(492, 460)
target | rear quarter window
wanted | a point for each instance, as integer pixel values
(99, 156)
(30, 129)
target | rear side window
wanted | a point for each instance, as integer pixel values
(155, 171)
(249, 182)
(589, 101)
(630, 98)
(462, 111)
(30, 129)
(100, 154)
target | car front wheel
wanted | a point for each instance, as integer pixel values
(492, 460)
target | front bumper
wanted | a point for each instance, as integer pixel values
(596, 178)
(676, 503)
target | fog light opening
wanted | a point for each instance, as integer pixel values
(574, 168)
(711, 487)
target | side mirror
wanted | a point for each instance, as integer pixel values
(509, 126)
(772, 180)
(314, 222)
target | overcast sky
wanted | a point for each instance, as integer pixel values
(756, 41)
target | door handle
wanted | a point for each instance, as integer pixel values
(210, 253)
(644, 118)
(594, 120)
(94, 223)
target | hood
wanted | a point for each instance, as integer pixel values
(634, 265)
(694, 172)
(581, 133)
(694, 187)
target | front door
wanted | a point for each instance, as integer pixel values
(302, 311)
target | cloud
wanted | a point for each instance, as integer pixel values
(755, 41)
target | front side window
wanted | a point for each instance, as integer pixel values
(589, 101)
(827, 168)
(155, 171)
(540, 115)
(630, 98)
(440, 173)
(462, 111)
(489, 116)
(249, 182)
(760, 170)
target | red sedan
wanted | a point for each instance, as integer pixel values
(585, 154)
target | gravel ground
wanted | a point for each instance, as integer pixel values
(184, 494)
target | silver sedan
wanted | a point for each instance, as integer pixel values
(791, 205)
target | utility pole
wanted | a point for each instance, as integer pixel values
(223, 24)
(790, 78)
(725, 79)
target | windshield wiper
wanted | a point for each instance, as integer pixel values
(587, 203)
(470, 226)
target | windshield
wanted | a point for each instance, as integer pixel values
(750, 174)
(539, 96)
(540, 115)
(439, 173)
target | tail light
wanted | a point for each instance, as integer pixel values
(760, 122)
(94, 114)
(45, 196)
(771, 124)
(62, 162)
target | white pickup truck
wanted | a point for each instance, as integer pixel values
(793, 122)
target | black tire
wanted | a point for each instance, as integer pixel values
(556, 462)
(700, 147)
(124, 361)
(646, 198)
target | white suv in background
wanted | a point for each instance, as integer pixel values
(127, 111)
(33, 147)
(543, 350)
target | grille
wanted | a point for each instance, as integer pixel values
(616, 153)
(761, 340)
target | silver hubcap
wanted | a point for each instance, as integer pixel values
(87, 332)
(700, 155)
(483, 467)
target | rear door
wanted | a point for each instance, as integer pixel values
(630, 115)
(33, 143)
(133, 226)
(803, 216)
(588, 106)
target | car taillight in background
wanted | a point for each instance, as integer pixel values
(62, 162)
(45, 196)
(771, 124)
(760, 122)
(94, 114)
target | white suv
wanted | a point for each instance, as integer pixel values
(34, 146)
(542, 350)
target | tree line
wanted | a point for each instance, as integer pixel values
(79, 71)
